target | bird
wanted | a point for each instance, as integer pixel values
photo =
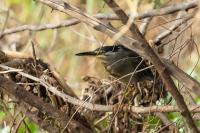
(122, 63)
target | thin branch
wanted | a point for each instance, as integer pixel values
(183, 77)
(158, 42)
(5, 22)
(163, 118)
(19, 124)
(41, 27)
(170, 9)
(144, 25)
(162, 109)
(160, 37)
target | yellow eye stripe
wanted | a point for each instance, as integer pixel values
(101, 56)
(99, 52)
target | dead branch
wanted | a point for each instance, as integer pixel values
(159, 38)
(182, 76)
(163, 109)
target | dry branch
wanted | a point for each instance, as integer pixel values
(160, 37)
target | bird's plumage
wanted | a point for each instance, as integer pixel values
(120, 62)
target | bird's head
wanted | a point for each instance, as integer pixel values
(101, 52)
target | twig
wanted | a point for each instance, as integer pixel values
(173, 39)
(13, 122)
(170, 9)
(26, 125)
(183, 77)
(5, 22)
(18, 124)
(35, 118)
(39, 27)
(34, 53)
(166, 126)
(162, 109)
(160, 37)
(163, 118)
(8, 71)
(16, 55)
(66, 88)
(144, 25)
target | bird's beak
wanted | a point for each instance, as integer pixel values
(90, 53)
